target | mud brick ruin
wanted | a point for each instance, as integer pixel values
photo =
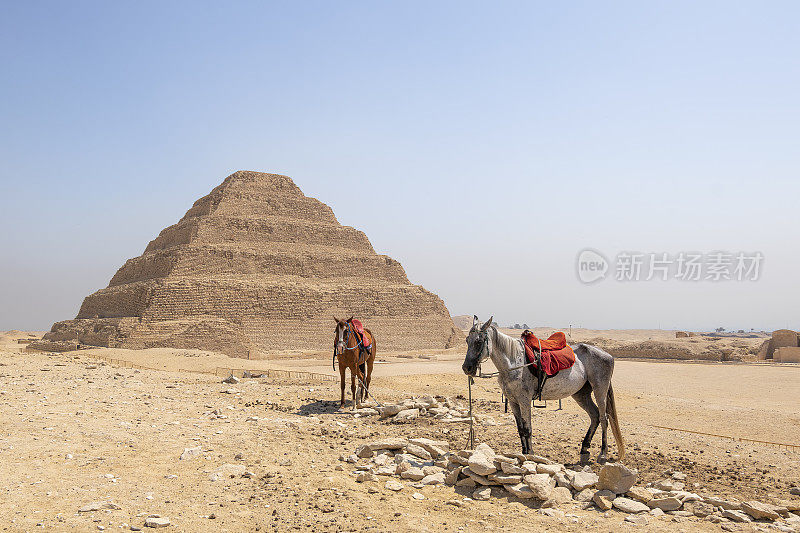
(256, 267)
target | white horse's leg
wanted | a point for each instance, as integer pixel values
(584, 398)
(601, 397)
(514, 406)
(524, 404)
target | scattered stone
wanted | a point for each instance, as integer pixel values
(541, 485)
(191, 453)
(626, 505)
(413, 473)
(481, 464)
(388, 444)
(509, 468)
(700, 509)
(585, 495)
(406, 415)
(794, 491)
(418, 496)
(665, 504)
(520, 490)
(433, 479)
(735, 516)
(419, 451)
(97, 506)
(550, 470)
(436, 448)
(617, 478)
(505, 479)
(640, 494)
(231, 380)
(156, 521)
(760, 510)
(455, 503)
(584, 480)
(637, 519)
(482, 494)
(604, 499)
(451, 478)
(393, 485)
(558, 496)
(656, 512)
(732, 505)
(668, 485)
(366, 476)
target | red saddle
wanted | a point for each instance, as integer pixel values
(358, 327)
(556, 353)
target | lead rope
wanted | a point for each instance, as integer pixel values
(471, 438)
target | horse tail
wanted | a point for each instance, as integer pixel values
(611, 410)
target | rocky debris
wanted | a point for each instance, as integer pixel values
(760, 510)
(231, 380)
(604, 499)
(191, 453)
(406, 415)
(156, 521)
(394, 485)
(617, 478)
(482, 494)
(794, 491)
(735, 516)
(665, 504)
(626, 505)
(98, 506)
(422, 462)
(228, 471)
(584, 480)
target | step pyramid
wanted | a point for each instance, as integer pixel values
(253, 268)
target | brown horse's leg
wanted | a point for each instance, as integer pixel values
(353, 374)
(342, 371)
(368, 378)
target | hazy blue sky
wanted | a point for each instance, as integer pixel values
(482, 144)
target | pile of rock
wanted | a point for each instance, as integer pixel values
(423, 462)
(438, 407)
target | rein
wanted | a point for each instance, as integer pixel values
(484, 338)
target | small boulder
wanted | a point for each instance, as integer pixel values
(433, 479)
(584, 480)
(626, 505)
(520, 490)
(393, 485)
(665, 504)
(541, 485)
(617, 478)
(550, 470)
(419, 451)
(604, 499)
(636, 519)
(481, 464)
(231, 380)
(585, 495)
(735, 516)
(406, 415)
(482, 494)
(156, 521)
(414, 474)
(558, 496)
(191, 453)
(639, 494)
(760, 510)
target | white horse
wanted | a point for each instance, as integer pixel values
(591, 373)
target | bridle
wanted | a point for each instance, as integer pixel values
(346, 332)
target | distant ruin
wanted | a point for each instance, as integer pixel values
(783, 347)
(256, 267)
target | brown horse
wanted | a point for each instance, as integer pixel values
(352, 355)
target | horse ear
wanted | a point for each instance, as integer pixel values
(349, 319)
(474, 319)
(336, 320)
(487, 324)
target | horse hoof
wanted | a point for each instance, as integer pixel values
(602, 459)
(585, 458)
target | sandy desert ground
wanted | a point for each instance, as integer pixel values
(77, 430)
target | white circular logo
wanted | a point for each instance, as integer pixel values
(591, 265)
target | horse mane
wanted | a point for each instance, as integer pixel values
(504, 343)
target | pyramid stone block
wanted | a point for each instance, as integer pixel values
(256, 267)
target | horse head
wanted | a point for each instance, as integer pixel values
(340, 336)
(478, 346)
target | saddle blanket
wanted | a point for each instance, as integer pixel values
(556, 353)
(366, 341)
